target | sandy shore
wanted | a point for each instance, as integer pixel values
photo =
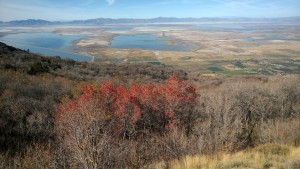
(100, 41)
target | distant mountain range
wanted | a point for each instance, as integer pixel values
(103, 21)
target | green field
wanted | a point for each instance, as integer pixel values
(215, 69)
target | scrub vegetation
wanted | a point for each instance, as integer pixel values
(59, 113)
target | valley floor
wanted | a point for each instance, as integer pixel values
(258, 49)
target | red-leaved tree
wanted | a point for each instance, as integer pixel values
(105, 123)
(141, 107)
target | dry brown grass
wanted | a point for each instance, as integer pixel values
(264, 156)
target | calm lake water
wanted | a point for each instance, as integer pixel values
(220, 27)
(119, 28)
(46, 43)
(150, 42)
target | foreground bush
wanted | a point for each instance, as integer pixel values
(110, 126)
(143, 106)
(239, 114)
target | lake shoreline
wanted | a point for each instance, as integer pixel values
(46, 43)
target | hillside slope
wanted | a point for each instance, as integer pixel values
(32, 85)
(59, 113)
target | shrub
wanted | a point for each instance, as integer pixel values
(142, 106)
(111, 126)
(38, 67)
(273, 149)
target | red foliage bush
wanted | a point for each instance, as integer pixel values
(152, 107)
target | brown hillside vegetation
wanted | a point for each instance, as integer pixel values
(137, 115)
(31, 86)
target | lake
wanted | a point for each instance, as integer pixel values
(150, 42)
(220, 27)
(47, 43)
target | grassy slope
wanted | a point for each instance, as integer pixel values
(263, 156)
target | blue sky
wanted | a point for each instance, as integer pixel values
(58, 10)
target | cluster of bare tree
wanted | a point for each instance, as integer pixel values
(249, 112)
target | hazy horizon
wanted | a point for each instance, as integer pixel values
(225, 17)
(54, 10)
